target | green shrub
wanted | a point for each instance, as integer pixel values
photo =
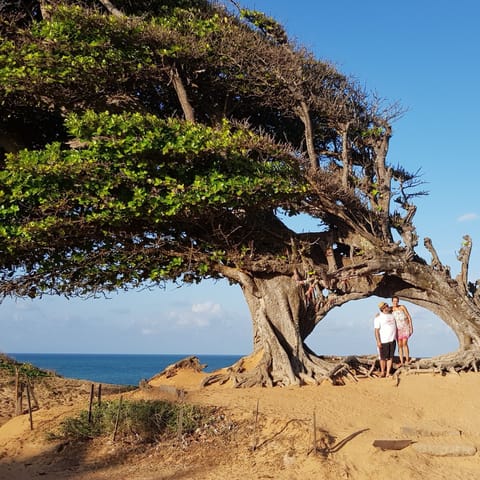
(9, 365)
(145, 421)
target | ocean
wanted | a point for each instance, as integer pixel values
(118, 369)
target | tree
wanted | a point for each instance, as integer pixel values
(147, 142)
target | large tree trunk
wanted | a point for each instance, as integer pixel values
(278, 309)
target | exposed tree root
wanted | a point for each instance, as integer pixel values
(367, 366)
(256, 370)
(456, 362)
(310, 370)
(242, 375)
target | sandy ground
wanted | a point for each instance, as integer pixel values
(270, 434)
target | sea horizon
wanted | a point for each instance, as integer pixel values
(116, 368)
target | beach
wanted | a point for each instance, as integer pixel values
(326, 432)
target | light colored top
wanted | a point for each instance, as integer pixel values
(400, 318)
(404, 328)
(385, 323)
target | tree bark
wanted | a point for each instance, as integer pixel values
(304, 115)
(182, 94)
(112, 9)
(277, 308)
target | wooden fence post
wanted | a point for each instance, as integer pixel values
(91, 403)
(117, 421)
(18, 393)
(32, 394)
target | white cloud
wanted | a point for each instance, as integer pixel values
(191, 321)
(467, 217)
(199, 315)
(207, 307)
(195, 315)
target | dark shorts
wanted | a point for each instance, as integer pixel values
(387, 350)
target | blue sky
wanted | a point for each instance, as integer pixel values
(423, 54)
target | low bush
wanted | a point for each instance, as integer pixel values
(144, 421)
(25, 370)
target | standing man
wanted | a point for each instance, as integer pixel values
(385, 334)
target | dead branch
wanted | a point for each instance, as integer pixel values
(464, 257)
(436, 263)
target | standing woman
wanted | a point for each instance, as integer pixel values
(404, 329)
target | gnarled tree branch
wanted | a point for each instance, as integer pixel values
(436, 263)
(111, 8)
(464, 257)
(182, 94)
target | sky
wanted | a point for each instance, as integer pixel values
(421, 54)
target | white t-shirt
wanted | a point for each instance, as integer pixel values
(388, 328)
